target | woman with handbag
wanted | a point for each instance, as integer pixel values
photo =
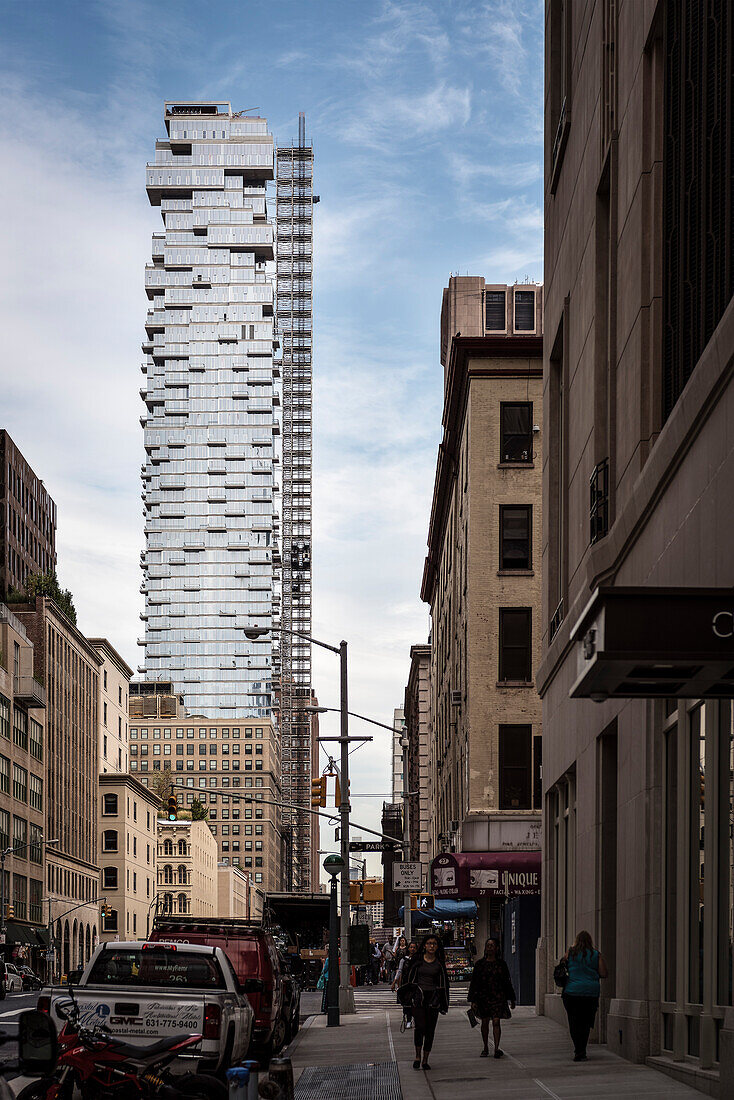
(427, 973)
(581, 991)
(410, 953)
(490, 991)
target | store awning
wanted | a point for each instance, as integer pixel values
(20, 935)
(42, 936)
(444, 909)
(485, 874)
(647, 643)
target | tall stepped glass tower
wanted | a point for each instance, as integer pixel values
(210, 428)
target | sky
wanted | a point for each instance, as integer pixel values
(426, 120)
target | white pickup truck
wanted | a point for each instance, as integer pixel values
(145, 991)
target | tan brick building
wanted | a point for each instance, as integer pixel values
(237, 895)
(68, 665)
(128, 816)
(22, 796)
(187, 868)
(482, 582)
(114, 685)
(417, 712)
(232, 767)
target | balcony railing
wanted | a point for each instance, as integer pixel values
(28, 691)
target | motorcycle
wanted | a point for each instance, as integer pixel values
(94, 1061)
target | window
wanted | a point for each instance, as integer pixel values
(104, 680)
(4, 830)
(516, 431)
(4, 775)
(109, 804)
(104, 711)
(109, 921)
(109, 840)
(109, 878)
(515, 644)
(20, 783)
(36, 739)
(4, 717)
(35, 848)
(20, 728)
(515, 536)
(515, 757)
(496, 311)
(20, 836)
(524, 311)
(35, 792)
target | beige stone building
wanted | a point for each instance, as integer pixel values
(417, 712)
(237, 895)
(232, 767)
(128, 816)
(68, 665)
(22, 796)
(482, 582)
(187, 868)
(114, 684)
(638, 456)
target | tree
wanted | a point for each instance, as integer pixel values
(198, 812)
(47, 584)
(161, 783)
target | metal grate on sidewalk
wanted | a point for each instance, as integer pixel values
(360, 1081)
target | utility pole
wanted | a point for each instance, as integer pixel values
(346, 993)
(407, 915)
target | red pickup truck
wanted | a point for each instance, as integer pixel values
(254, 956)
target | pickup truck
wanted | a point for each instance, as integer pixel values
(145, 991)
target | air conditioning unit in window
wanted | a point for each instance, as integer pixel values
(456, 698)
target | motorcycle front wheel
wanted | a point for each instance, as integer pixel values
(46, 1088)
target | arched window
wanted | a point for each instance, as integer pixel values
(183, 903)
(168, 873)
(182, 847)
(167, 904)
(109, 840)
(109, 923)
(168, 847)
(182, 874)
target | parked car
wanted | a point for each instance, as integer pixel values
(254, 957)
(291, 968)
(459, 964)
(10, 978)
(29, 978)
(147, 991)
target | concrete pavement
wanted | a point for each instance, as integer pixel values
(537, 1064)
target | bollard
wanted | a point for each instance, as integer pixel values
(238, 1079)
(253, 1067)
(281, 1072)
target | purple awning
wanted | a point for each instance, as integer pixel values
(485, 874)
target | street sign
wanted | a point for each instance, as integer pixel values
(407, 876)
(371, 845)
(50, 955)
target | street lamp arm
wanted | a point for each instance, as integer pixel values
(255, 632)
(353, 714)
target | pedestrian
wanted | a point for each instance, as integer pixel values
(490, 990)
(427, 970)
(388, 959)
(323, 984)
(581, 992)
(409, 954)
(376, 962)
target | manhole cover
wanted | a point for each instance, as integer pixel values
(361, 1081)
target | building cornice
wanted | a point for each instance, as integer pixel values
(105, 646)
(111, 778)
(470, 357)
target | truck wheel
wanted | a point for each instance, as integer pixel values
(201, 1086)
(280, 1036)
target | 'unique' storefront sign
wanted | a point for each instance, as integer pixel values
(485, 874)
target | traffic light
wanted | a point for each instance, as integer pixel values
(318, 791)
(338, 792)
(103, 911)
(422, 901)
(11, 910)
(172, 807)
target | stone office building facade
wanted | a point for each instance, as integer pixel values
(637, 670)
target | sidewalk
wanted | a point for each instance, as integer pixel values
(537, 1062)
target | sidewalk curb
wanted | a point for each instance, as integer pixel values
(294, 1043)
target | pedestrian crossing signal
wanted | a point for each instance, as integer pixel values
(422, 901)
(318, 792)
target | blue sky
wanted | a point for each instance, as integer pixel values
(426, 119)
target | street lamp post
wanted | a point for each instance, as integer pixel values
(346, 992)
(3, 856)
(333, 865)
(407, 915)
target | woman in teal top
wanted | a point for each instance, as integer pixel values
(581, 991)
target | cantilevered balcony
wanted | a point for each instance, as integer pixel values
(28, 691)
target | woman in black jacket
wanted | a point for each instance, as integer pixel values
(489, 991)
(428, 972)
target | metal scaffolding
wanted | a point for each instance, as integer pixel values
(292, 668)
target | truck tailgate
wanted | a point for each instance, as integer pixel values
(138, 1016)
